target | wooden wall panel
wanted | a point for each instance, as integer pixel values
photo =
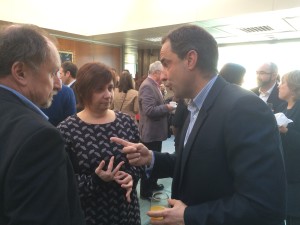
(84, 52)
(145, 58)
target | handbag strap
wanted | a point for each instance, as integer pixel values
(123, 101)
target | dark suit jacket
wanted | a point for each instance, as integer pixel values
(37, 184)
(153, 124)
(273, 98)
(231, 169)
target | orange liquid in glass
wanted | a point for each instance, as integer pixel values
(156, 208)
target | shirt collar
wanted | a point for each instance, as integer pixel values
(72, 82)
(197, 102)
(29, 103)
(154, 81)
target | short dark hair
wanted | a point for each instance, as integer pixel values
(233, 73)
(71, 67)
(90, 78)
(126, 82)
(191, 37)
(23, 43)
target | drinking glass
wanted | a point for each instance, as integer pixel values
(159, 201)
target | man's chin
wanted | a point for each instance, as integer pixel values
(48, 103)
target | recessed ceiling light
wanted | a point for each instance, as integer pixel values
(153, 39)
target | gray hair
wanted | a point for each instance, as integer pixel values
(24, 43)
(273, 67)
(155, 67)
(293, 82)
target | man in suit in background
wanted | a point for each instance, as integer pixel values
(267, 90)
(37, 183)
(224, 173)
(153, 124)
(68, 72)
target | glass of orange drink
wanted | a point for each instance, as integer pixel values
(159, 201)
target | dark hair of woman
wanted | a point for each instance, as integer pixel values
(126, 82)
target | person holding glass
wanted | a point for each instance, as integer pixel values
(289, 91)
(223, 173)
(107, 195)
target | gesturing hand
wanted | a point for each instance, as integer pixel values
(136, 153)
(126, 181)
(109, 174)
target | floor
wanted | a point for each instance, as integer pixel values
(167, 146)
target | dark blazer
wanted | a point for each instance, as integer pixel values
(291, 149)
(273, 98)
(231, 169)
(37, 184)
(153, 124)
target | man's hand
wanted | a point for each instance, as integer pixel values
(136, 153)
(171, 216)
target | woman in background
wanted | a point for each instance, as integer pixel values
(289, 90)
(126, 97)
(87, 136)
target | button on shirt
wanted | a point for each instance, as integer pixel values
(195, 106)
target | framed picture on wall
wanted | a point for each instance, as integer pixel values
(66, 56)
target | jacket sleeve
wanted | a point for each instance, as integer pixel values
(40, 187)
(150, 104)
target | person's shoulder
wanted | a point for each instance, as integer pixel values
(69, 120)
(255, 90)
(234, 93)
(121, 116)
(133, 92)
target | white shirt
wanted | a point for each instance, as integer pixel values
(265, 95)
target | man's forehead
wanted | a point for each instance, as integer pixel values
(264, 67)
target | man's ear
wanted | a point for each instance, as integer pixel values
(18, 72)
(191, 58)
(68, 74)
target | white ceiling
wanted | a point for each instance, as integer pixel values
(132, 23)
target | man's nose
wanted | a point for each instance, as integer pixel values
(57, 83)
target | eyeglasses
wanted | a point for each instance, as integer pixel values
(263, 73)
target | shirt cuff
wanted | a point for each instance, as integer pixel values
(150, 167)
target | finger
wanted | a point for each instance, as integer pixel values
(111, 164)
(130, 150)
(121, 141)
(100, 167)
(120, 175)
(127, 185)
(117, 168)
(172, 201)
(128, 192)
(158, 213)
(134, 162)
(133, 156)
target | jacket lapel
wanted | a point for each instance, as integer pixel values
(203, 114)
(156, 89)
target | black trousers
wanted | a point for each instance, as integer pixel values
(147, 184)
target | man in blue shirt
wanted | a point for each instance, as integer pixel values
(37, 182)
